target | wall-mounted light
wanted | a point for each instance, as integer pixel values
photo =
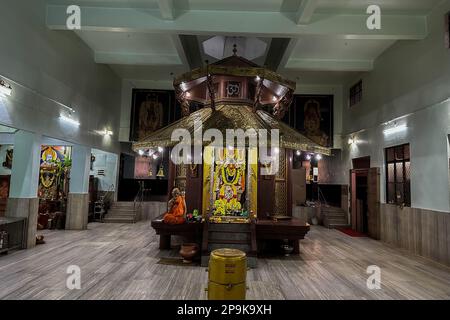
(5, 88)
(155, 156)
(160, 149)
(188, 94)
(351, 140)
(276, 150)
(298, 153)
(69, 120)
(274, 98)
(308, 157)
(105, 132)
(258, 78)
(318, 157)
(396, 129)
(141, 152)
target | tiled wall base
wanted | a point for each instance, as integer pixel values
(422, 232)
(25, 208)
(77, 211)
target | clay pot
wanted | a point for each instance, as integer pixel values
(188, 251)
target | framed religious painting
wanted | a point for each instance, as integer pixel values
(150, 111)
(312, 115)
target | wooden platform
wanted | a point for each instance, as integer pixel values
(191, 231)
(266, 230)
(293, 230)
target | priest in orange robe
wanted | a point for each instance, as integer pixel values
(176, 207)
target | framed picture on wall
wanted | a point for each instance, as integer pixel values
(150, 111)
(312, 115)
(4, 186)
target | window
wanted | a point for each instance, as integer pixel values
(356, 93)
(398, 170)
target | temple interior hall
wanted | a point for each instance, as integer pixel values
(306, 141)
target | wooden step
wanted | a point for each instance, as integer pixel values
(224, 241)
(117, 220)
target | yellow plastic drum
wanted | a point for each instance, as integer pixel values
(227, 275)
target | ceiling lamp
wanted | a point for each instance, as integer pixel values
(5, 88)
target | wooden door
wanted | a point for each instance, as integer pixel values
(373, 203)
(353, 203)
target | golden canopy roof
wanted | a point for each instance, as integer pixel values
(228, 116)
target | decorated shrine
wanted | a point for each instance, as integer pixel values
(229, 187)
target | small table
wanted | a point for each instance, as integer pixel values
(293, 229)
(190, 230)
(15, 227)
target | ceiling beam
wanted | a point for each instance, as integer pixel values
(196, 22)
(276, 52)
(306, 11)
(192, 51)
(329, 65)
(167, 9)
(137, 59)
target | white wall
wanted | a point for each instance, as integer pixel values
(412, 79)
(109, 163)
(47, 66)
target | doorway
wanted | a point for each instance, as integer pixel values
(365, 201)
(361, 217)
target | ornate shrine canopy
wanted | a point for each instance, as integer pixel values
(233, 92)
(230, 117)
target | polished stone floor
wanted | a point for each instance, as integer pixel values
(119, 261)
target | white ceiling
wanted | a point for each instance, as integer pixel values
(319, 39)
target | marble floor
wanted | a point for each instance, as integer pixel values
(119, 261)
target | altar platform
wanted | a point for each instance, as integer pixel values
(266, 230)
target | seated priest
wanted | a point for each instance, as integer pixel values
(176, 208)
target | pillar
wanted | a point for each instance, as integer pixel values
(23, 201)
(78, 197)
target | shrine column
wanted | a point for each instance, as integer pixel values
(23, 201)
(78, 198)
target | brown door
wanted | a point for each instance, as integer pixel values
(373, 202)
(353, 203)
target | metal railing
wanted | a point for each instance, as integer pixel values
(321, 197)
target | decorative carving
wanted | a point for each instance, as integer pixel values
(280, 205)
(182, 99)
(258, 94)
(211, 91)
(280, 108)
